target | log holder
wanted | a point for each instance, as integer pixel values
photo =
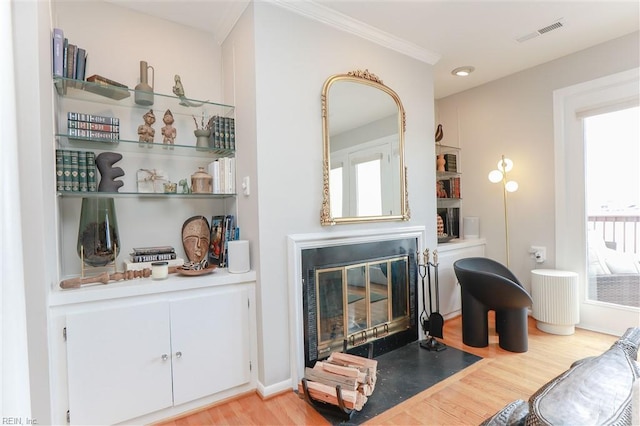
(339, 411)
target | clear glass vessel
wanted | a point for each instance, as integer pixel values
(98, 237)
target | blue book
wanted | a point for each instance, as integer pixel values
(58, 52)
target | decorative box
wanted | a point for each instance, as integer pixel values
(152, 180)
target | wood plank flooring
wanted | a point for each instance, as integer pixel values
(466, 398)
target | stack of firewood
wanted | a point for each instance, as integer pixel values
(355, 375)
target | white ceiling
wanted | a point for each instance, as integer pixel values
(478, 33)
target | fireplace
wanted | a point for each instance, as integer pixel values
(356, 293)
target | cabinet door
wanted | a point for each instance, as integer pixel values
(449, 288)
(210, 344)
(116, 369)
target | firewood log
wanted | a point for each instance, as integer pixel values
(317, 374)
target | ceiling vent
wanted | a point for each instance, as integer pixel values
(556, 25)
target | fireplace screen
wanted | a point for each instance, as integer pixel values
(358, 303)
(360, 298)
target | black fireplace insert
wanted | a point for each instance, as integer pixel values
(359, 298)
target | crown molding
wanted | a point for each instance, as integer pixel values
(328, 16)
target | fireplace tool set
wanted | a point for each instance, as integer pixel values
(431, 325)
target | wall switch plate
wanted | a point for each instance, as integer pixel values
(246, 185)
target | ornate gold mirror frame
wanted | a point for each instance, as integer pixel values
(362, 117)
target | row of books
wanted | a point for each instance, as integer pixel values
(223, 230)
(81, 125)
(451, 187)
(76, 171)
(223, 132)
(451, 163)
(69, 60)
(223, 172)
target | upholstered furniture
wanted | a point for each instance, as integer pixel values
(488, 285)
(594, 391)
(614, 276)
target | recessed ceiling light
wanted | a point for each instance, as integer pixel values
(463, 71)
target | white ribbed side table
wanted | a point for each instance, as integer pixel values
(555, 300)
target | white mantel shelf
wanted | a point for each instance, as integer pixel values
(146, 286)
(460, 243)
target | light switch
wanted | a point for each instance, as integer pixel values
(245, 185)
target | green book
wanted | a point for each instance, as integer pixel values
(75, 182)
(92, 182)
(59, 171)
(232, 133)
(216, 140)
(66, 169)
(82, 172)
(227, 141)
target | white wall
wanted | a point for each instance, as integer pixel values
(293, 58)
(32, 47)
(514, 116)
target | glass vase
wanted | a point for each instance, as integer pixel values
(98, 237)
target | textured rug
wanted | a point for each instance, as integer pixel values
(403, 373)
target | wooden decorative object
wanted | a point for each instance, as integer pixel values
(105, 278)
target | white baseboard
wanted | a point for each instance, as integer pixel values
(268, 391)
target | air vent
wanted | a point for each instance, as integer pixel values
(556, 25)
(551, 27)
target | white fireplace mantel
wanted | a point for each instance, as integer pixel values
(296, 244)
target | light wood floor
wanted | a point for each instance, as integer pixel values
(465, 398)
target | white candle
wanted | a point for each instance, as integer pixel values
(159, 270)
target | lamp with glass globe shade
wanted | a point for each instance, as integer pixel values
(500, 175)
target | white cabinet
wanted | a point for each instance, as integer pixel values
(450, 301)
(133, 358)
(116, 365)
(210, 344)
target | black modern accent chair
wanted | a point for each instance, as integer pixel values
(487, 285)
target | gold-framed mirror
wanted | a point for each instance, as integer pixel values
(364, 173)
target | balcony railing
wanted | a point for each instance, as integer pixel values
(620, 232)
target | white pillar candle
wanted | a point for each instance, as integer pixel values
(159, 270)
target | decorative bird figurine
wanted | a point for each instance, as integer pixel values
(439, 133)
(178, 90)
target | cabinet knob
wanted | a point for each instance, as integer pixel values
(178, 354)
(164, 357)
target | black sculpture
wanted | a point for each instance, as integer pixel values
(108, 173)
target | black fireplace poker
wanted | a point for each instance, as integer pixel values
(432, 325)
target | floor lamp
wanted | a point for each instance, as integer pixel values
(500, 175)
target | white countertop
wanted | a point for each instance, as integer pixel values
(147, 286)
(459, 243)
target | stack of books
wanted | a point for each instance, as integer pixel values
(451, 163)
(153, 254)
(76, 171)
(106, 87)
(143, 257)
(89, 126)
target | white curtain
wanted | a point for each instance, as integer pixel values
(14, 376)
